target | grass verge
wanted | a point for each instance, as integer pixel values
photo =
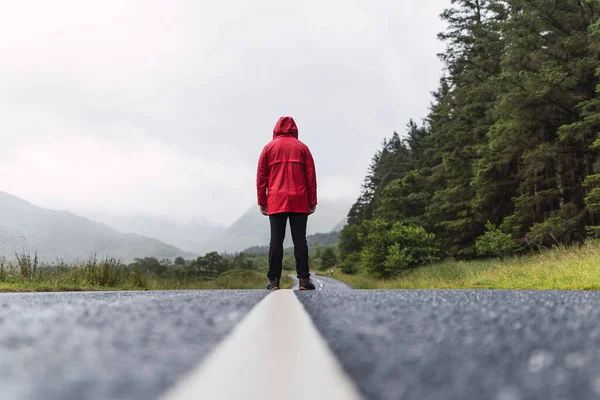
(572, 268)
(112, 275)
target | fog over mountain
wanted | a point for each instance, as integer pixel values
(148, 117)
(63, 235)
(201, 236)
(253, 229)
(163, 107)
(191, 236)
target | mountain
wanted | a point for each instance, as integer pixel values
(252, 228)
(340, 225)
(191, 236)
(63, 235)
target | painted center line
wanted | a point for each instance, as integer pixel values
(320, 284)
(274, 353)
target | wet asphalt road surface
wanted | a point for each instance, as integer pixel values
(504, 345)
(323, 283)
(127, 345)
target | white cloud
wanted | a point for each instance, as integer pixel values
(136, 174)
(162, 106)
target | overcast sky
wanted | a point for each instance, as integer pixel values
(163, 106)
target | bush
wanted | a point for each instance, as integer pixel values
(592, 232)
(328, 258)
(150, 264)
(242, 261)
(351, 265)
(350, 240)
(28, 265)
(391, 249)
(2, 268)
(549, 233)
(106, 272)
(288, 262)
(495, 243)
(179, 261)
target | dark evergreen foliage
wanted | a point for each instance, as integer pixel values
(511, 139)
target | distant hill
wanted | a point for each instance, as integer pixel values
(63, 235)
(318, 239)
(252, 229)
(340, 225)
(323, 239)
(191, 236)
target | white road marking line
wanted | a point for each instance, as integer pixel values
(274, 353)
(320, 284)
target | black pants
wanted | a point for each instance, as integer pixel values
(298, 228)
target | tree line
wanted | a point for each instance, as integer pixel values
(208, 266)
(214, 264)
(508, 157)
(321, 248)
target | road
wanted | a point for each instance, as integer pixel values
(109, 345)
(323, 283)
(500, 345)
(406, 344)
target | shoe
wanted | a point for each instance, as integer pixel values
(306, 284)
(273, 285)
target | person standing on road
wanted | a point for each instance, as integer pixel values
(286, 184)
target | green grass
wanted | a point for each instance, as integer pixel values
(576, 267)
(110, 274)
(569, 268)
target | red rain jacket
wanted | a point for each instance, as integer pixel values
(286, 180)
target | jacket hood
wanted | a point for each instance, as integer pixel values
(285, 126)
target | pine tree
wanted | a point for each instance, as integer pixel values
(512, 139)
(328, 258)
(590, 126)
(392, 162)
(548, 72)
(461, 118)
